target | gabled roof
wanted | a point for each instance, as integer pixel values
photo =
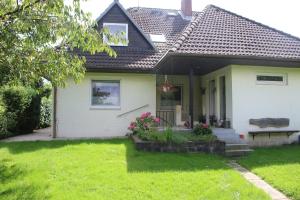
(220, 32)
(213, 32)
(116, 2)
(150, 21)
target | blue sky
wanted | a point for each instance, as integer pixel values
(279, 14)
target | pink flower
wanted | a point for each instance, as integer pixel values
(205, 125)
(145, 115)
(156, 120)
(132, 126)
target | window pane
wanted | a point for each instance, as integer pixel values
(106, 93)
(116, 30)
(270, 78)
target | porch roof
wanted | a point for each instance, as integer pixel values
(178, 63)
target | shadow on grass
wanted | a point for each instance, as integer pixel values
(141, 161)
(137, 161)
(9, 173)
(261, 157)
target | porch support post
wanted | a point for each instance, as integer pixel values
(191, 105)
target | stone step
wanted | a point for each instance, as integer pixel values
(237, 153)
(237, 147)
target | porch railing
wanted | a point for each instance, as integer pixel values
(167, 117)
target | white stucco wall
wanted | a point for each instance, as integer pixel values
(252, 101)
(226, 71)
(76, 117)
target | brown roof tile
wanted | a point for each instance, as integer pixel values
(220, 32)
(214, 31)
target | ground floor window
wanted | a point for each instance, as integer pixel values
(106, 93)
(271, 79)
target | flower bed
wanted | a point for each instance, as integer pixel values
(214, 146)
(146, 137)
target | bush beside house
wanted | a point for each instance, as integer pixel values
(21, 111)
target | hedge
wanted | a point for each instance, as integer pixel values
(20, 110)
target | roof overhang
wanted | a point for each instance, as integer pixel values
(179, 63)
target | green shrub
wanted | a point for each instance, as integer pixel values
(3, 122)
(202, 129)
(46, 112)
(168, 134)
(22, 107)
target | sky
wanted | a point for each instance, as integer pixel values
(283, 15)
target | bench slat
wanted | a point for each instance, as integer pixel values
(287, 132)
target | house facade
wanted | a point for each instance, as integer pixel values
(222, 69)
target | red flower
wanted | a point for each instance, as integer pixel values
(205, 126)
(156, 120)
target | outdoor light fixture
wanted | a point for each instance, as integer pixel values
(166, 86)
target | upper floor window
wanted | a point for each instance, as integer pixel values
(271, 79)
(116, 30)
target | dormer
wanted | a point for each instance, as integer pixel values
(117, 21)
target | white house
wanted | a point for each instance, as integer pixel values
(225, 69)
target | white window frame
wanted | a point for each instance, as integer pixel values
(282, 83)
(104, 107)
(118, 24)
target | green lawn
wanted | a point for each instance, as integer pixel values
(113, 170)
(279, 166)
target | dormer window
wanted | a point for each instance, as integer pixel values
(117, 30)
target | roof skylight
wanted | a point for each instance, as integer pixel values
(158, 38)
(172, 13)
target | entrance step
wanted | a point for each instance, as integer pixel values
(228, 135)
(237, 150)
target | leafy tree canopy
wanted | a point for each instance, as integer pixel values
(36, 37)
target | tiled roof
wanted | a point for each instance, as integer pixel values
(214, 31)
(220, 32)
(126, 59)
(150, 21)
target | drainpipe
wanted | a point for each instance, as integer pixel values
(54, 128)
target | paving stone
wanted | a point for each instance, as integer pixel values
(258, 182)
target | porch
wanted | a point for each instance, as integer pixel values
(202, 91)
(196, 99)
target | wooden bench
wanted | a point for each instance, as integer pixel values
(273, 132)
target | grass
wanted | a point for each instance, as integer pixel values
(113, 169)
(279, 166)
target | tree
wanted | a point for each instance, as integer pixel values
(37, 38)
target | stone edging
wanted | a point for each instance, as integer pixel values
(216, 147)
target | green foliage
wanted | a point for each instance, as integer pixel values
(46, 112)
(176, 137)
(21, 108)
(37, 36)
(4, 122)
(202, 129)
(168, 134)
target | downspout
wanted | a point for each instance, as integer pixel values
(54, 124)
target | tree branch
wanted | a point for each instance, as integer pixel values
(19, 8)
